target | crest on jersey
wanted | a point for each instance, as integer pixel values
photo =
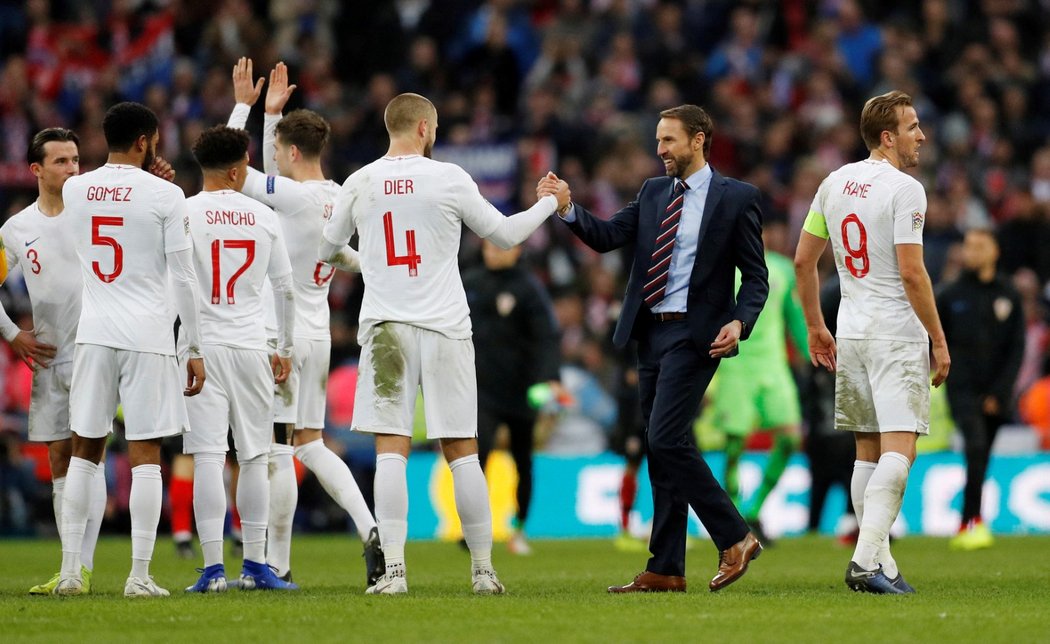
(1002, 308)
(270, 181)
(916, 221)
(505, 303)
(186, 225)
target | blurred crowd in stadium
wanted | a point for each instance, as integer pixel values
(523, 86)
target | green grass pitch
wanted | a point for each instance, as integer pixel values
(794, 592)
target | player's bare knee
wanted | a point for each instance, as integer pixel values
(89, 449)
(454, 448)
(146, 452)
(58, 454)
(306, 435)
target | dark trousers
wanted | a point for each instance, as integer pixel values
(673, 374)
(978, 430)
(521, 428)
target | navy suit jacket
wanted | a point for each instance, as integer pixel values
(730, 238)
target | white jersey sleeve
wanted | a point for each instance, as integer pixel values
(484, 219)
(909, 213)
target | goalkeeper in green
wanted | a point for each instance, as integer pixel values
(756, 390)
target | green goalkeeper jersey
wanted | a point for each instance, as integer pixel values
(781, 316)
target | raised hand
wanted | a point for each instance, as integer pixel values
(244, 89)
(279, 91)
(161, 168)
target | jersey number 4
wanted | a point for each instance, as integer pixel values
(410, 259)
(98, 239)
(857, 262)
(248, 245)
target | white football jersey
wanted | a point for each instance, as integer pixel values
(43, 247)
(409, 213)
(237, 243)
(124, 221)
(302, 207)
(869, 207)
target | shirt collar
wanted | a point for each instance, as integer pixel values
(699, 178)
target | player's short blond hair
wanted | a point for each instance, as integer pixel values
(880, 115)
(405, 111)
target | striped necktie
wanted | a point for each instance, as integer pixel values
(660, 263)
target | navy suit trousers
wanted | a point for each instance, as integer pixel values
(673, 375)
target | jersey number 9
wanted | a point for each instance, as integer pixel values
(857, 263)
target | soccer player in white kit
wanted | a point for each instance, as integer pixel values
(39, 239)
(873, 213)
(131, 235)
(295, 187)
(409, 211)
(237, 243)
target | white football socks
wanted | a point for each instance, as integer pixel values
(96, 512)
(862, 471)
(76, 499)
(284, 495)
(879, 509)
(338, 481)
(391, 495)
(147, 494)
(253, 503)
(209, 503)
(472, 504)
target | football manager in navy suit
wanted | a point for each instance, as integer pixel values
(691, 230)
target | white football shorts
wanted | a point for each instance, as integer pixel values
(237, 396)
(148, 385)
(396, 359)
(49, 403)
(882, 386)
(303, 398)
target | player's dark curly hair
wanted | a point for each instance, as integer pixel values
(125, 122)
(220, 147)
(306, 130)
(35, 154)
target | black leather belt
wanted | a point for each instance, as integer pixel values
(668, 317)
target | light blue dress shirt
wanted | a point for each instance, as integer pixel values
(685, 242)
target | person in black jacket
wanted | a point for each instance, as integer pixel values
(984, 323)
(516, 346)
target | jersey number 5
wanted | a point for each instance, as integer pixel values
(248, 245)
(857, 262)
(98, 239)
(410, 259)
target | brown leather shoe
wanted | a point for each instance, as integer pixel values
(732, 562)
(650, 582)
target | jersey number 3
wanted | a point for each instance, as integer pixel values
(857, 262)
(248, 245)
(410, 259)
